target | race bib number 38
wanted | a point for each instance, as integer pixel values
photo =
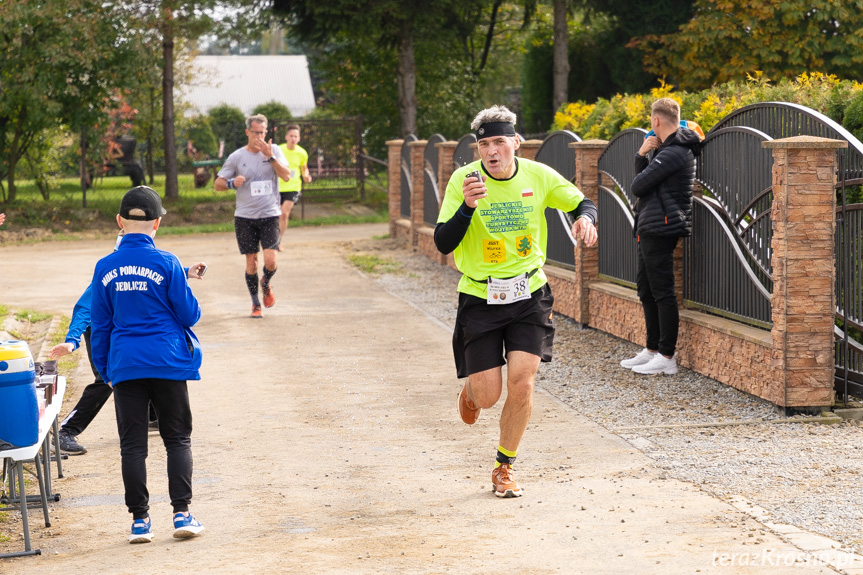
(508, 291)
(262, 188)
(493, 251)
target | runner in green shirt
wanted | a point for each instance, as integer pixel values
(291, 190)
(496, 229)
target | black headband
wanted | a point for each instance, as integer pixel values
(491, 129)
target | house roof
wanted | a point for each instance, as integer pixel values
(247, 81)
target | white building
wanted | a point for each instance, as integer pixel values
(247, 81)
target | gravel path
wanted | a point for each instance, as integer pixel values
(806, 475)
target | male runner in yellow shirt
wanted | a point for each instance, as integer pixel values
(496, 228)
(298, 162)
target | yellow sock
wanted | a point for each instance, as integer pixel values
(504, 456)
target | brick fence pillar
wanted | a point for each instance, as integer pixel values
(394, 182)
(586, 259)
(529, 148)
(418, 167)
(804, 303)
(445, 153)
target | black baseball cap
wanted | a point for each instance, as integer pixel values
(142, 198)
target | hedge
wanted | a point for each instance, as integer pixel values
(840, 100)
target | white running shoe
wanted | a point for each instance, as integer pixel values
(659, 364)
(643, 357)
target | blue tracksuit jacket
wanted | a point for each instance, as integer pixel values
(141, 313)
(80, 319)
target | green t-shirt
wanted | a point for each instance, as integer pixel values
(297, 158)
(507, 235)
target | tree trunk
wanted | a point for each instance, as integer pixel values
(407, 81)
(84, 178)
(13, 161)
(171, 184)
(150, 164)
(561, 55)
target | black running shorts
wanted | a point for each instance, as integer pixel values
(254, 232)
(485, 333)
(290, 197)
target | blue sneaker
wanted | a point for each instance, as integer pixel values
(142, 531)
(186, 526)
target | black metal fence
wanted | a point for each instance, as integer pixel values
(431, 191)
(717, 275)
(785, 120)
(617, 245)
(463, 154)
(555, 152)
(336, 163)
(848, 350)
(406, 183)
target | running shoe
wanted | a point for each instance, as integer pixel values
(658, 364)
(142, 531)
(641, 358)
(69, 445)
(269, 296)
(503, 482)
(186, 526)
(467, 409)
(256, 312)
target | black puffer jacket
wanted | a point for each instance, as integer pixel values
(663, 187)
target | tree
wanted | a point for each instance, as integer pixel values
(726, 39)
(227, 123)
(173, 24)
(358, 69)
(81, 52)
(274, 111)
(561, 54)
(396, 28)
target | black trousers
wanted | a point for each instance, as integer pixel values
(655, 282)
(171, 399)
(92, 399)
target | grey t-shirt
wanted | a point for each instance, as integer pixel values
(259, 196)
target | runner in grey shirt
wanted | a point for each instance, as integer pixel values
(258, 196)
(253, 171)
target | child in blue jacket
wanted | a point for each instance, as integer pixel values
(97, 393)
(142, 311)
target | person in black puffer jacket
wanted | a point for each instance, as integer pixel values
(663, 214)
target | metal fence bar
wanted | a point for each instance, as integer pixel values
(556, 153)
(406, 183)
(617, 162)
(717, 276)
(431, 194)
(463, 154)
(617, 246)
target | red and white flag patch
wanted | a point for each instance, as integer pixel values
(527, 192)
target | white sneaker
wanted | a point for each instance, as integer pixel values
(659, 364)
(643, 357)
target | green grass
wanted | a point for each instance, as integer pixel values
(64, 213)
(381, 237)
(31, 315)
(65, 208)
(372, 264)
(4, 311)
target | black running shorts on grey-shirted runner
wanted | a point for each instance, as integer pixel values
(252, 233)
